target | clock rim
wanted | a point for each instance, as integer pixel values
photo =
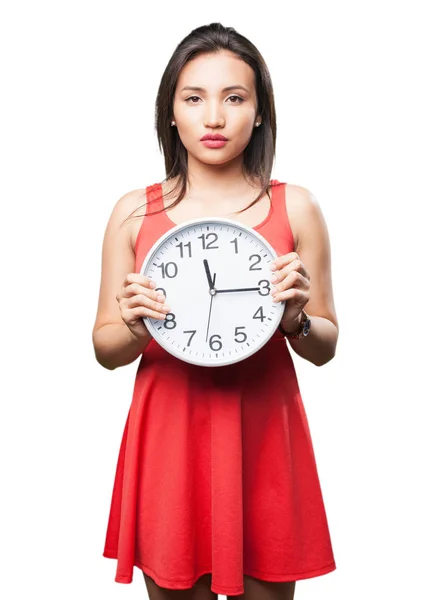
(216, 221)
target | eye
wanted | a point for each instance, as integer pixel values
(239, 99)
(190, 98)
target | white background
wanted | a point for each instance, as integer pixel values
(356, 98)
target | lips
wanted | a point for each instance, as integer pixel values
(213, 136)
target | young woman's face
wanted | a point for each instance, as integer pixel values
(213, 109)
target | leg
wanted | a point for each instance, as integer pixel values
(256, 589)
(199, 591)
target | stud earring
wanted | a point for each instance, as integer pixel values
(172, 123)
(257, 124)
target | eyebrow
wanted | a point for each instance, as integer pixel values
(226, 89)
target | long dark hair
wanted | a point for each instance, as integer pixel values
(259, 153)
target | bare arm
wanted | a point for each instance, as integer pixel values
(313, 248)
(119, 341)
(115, 345)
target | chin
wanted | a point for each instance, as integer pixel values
(217, 163)
(216, 156)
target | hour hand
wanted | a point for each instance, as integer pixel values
(210, 281)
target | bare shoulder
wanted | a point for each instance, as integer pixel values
(303, 210)
(127, 212)
(130, 203)
(133, 202)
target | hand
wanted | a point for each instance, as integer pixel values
(137, 299)
(255, 289)
(208, 321)
(210, 281)
(293, 286)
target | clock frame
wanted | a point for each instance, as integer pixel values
(224, 319)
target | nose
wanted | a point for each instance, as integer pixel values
(213, 116)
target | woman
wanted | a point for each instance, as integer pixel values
(216, 488)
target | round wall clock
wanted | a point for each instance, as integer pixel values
(215, 275)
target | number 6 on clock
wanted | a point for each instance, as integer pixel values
(215, 274)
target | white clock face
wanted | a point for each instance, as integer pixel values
(219, 320)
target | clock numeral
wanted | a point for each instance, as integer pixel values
(170, 322)
(253, 266)
(212, 342)
(168, 268)
(193, 331)
(161, 290)
(259, 314)
(188, 246)
(265, 287)
(240, 333)
(235, 241)
(209, 246)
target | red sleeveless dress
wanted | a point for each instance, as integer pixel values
(216, 470)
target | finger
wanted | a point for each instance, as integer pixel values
(140, 312)
(296, 265)
(301, 297)
(150, 303)
(293, 279)
(132, 289)
(281, 261)
(280, 274)
(139, 278)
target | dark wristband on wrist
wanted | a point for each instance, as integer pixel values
(303, 330)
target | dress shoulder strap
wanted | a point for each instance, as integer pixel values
(154, 198)
(279, 224)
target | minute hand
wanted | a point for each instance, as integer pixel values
(254, 289)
